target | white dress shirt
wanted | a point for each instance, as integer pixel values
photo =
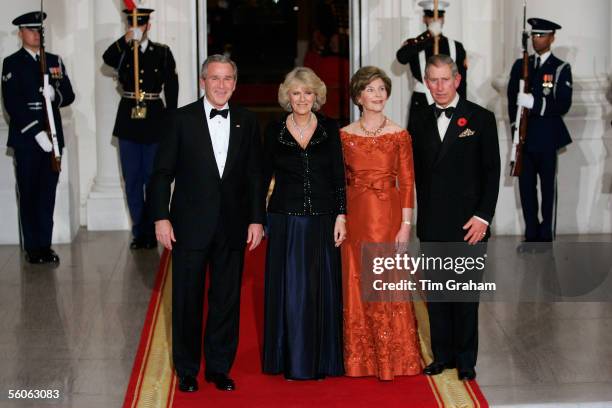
(219, 129)
(143, 45)
(444, 121)
(32, 53)
(543, 58)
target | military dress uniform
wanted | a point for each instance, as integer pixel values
(138, 138)
(551, 86)
(36, 181)
(416, 52)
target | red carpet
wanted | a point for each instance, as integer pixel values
(152, 383)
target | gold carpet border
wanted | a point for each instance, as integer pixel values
(148, 343)
(473, 394)
(454, 393)
(157, 388)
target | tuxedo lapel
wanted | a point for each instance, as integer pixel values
(453, 128)
(201, 127)
(431, 118)
(235, 138)
(431, 135)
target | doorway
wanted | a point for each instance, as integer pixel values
(268, 38)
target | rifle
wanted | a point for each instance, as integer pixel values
(50, 129)
(436, 50)
(139, 111)
(520, 128)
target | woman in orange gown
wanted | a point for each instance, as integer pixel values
(380, 338)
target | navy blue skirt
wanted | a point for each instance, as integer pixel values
(303, 298)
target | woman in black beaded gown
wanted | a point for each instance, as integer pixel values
(306, 220)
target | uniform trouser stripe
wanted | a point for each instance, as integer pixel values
(555, 200)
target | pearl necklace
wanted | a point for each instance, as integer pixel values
(374, 132)
(299, 129)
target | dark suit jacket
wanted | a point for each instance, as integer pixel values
(409, 54)
(458, 178)
(202, 200)
(551, 87)
(157, 73)
(21, 82)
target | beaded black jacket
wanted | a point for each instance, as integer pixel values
(308, 181)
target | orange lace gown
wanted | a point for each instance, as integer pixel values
(380, 338)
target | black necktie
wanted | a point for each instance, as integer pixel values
(223, 112)
(37, 58)
(537, 63)
(448, 111)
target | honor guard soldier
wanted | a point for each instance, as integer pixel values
(143, 76)
(550, 98)
(416, 52)
(24, 96)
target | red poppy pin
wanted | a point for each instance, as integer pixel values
(461, 122)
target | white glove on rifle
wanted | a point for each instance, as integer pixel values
(43, 141)
(525, 100)
(136, 34)
(49, 91)
(435, 28)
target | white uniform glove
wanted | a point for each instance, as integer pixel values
(525, 100)
(49, 92)
(435, 28)
(43, 141)
(136, 34)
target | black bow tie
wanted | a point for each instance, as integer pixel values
(223, 112)
(448, 111)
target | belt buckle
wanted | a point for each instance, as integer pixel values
(140, 110)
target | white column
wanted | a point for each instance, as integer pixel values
(106, 206)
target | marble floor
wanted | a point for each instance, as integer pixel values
(76, 328)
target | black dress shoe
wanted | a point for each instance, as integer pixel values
(150, 244)
(35, 257)
(466, 374)
(137, 243)
(188, 383)
(436, 368)
(221, 381)
(49, 256)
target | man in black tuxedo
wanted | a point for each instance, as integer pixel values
(457, 171)
(211, 150)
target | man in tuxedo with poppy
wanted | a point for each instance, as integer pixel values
(211, 151)
(457, 173)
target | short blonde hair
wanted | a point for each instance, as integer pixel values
(363, 77)
(308, 79)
